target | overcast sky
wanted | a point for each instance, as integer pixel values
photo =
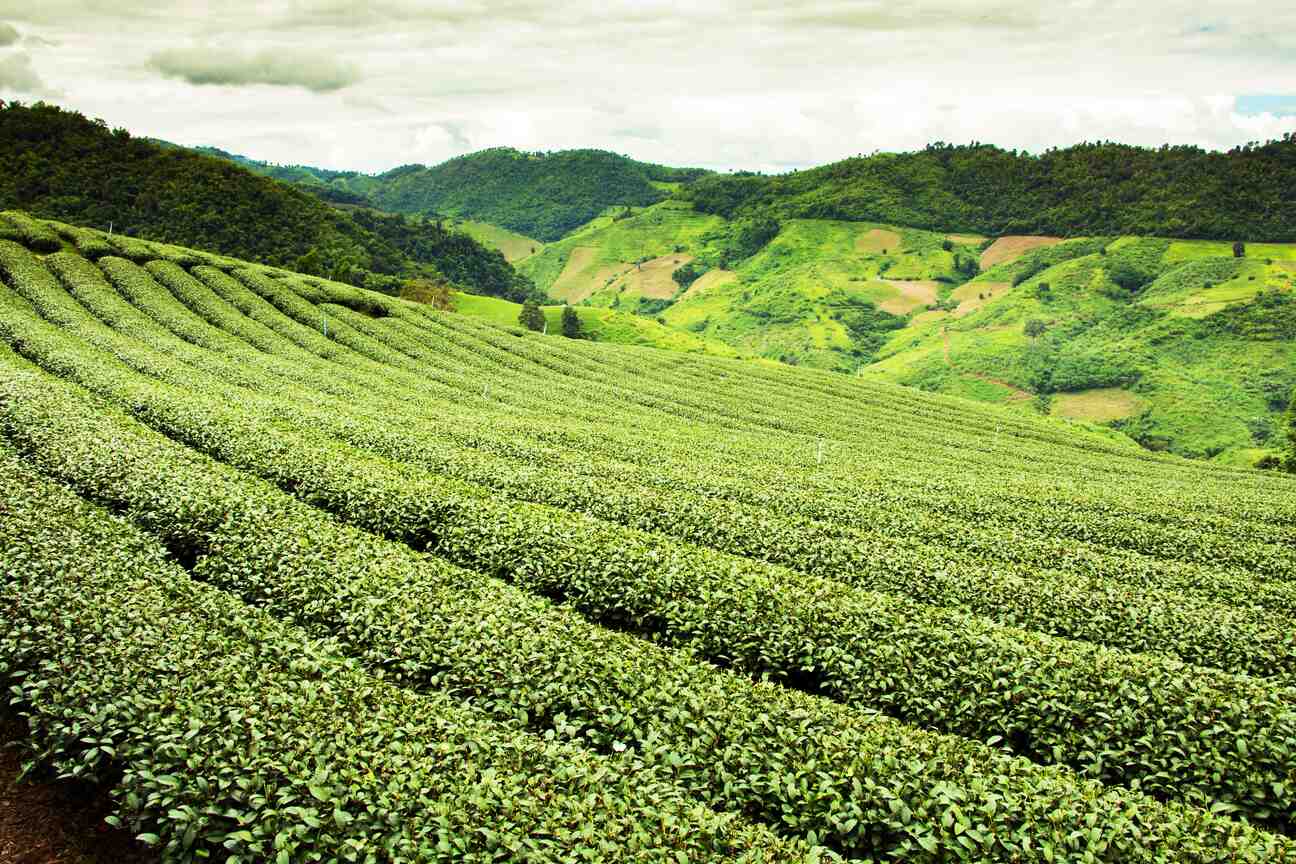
(761, 85)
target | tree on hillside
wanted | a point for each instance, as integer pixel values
(571, 324)
(1239, 249)
(310, 263)
(1035, 328)
(531, 317)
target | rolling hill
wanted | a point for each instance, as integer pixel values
(61, 165)
(404, 574)
(1196, 353)
(540, 195)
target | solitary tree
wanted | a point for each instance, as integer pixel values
(1035, 328)
(531, 317)
(571, 324)
(1239, 249)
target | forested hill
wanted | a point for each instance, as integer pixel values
(541, 195)
(60, 165)
(1104, 188)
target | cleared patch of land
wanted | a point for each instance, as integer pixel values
(513, 246)
(1102, 405)
(911, 295)
(1013, 247)
(653, 279)
(974, 295)
(580, 278)
(708, 280)
(965, 239)
(877, 241)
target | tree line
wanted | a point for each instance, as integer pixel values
(1247, 193)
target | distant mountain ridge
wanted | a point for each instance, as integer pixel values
(1089, 189)
(541, 195)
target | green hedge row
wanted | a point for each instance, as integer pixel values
(859, 784)
(1196, 628)
(232, 737)
(1176, 731)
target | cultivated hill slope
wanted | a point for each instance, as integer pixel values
(60, 165)
(908, 576)
(541, 195)
(1178, 344)
(1247, 193)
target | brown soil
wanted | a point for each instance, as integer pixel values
(1012, 248)
(965, 239)
(878, 240)
(654, 279)
(47, 821)
(973, 296)
(912, 295)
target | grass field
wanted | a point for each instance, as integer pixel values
(375, 580)
(515, 247)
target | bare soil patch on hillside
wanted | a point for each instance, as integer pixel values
(877, 241)
(653, 279)
(577, 282)
(1102, 405)
(912, 295)
(973, 297)
(965, 239)
(709, 280)
(1013, 247)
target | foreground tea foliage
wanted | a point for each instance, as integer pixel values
(864, 562)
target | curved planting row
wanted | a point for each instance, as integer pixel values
(856, 783)
(230, 736)
(1176, 731)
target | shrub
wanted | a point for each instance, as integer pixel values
(688, 274)
(571, 324)
(531, 317)
(1035, 327)
(1239, 249)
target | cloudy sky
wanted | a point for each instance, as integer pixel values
(763, 85)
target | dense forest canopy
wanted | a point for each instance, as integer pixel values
(541, 195)
(1100, 188)
(61, 165)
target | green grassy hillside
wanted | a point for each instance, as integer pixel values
(817, 292)
(1196, 354)
(1246, 193)
(599, 325)
(512, 245)
(435, 590)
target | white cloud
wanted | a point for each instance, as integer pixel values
(760, 84)
(19, 77)
(290, 67)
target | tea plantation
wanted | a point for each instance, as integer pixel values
(307, 573)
